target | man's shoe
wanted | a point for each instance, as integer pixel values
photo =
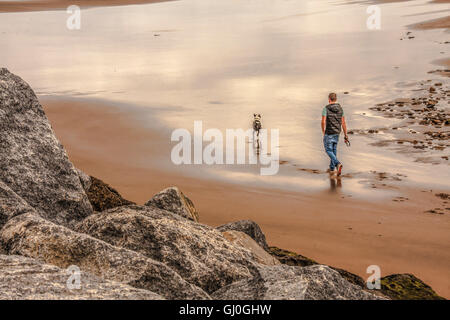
(339, 169)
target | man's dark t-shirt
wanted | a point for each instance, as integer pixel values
(334, 114)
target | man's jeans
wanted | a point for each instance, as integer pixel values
(330, 143)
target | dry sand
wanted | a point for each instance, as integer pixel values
(44, 5)
(347, 233)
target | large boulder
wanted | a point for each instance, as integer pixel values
(249, 227)
(23, 278)
(284, 282)
(103, 197)
(173, 200)
(243, 240)
(200, 254)
(30, 235)
(33, 163)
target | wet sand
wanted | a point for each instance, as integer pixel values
(398, 234)
(440, 23)
(44, 5)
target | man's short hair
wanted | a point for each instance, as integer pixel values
(332, 96)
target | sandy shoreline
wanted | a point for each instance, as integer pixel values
(347, 233)
(44, 5)
(440, 23)
(399, 234)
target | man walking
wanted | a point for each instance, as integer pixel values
(332, 122)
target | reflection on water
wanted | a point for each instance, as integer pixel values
(220, 61)
(335, 183)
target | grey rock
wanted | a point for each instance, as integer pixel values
(243, 240)
(199, 253)
(30, 235)
(11, 204)
(249, 227)
(294, 259)
(33, 163)
(23, 278)
(85, 179)
(284, 282)
(173, 200)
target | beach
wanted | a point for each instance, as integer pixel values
(344, 233)
(125, 95)
(44, 5)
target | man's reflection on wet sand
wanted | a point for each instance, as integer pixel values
(335, 183)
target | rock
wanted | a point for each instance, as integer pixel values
(284, 282)
(33, 163)
(85, 179)
(351, 277)
(103, 197)
(291, 258)
(173, 200)
(407, 287)
(11, 204)
(24, 278)
(443, 196)
(200, 254)
(32, 236)
(249, 227)
(243, 240)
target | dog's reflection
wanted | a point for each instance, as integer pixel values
(335, 183)
(257, 126)
(257, 146)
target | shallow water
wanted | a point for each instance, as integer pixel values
(221, 61)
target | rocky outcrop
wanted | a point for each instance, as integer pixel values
(103, 197)
(407, 287)
(11, 204)
(173, 200)
(32, 236)
(24, 278)
(284, 282)
(85, 179)
(243, 240)
(33, 163)
(249, 227)
(200, 254)
(291, 258)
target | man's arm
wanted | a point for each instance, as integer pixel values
(324, 123)
(344, 126)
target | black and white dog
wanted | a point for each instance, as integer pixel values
(256, 125)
